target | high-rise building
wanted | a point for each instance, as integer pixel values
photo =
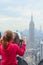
(31, 33)
(41, 50)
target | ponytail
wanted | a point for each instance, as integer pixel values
(4, 42)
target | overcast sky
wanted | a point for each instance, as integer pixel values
(16, 14)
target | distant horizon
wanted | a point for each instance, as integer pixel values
(21, 30)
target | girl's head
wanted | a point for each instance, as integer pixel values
(16, 38)
(8, 36)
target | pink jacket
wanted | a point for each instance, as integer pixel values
(9, 54)
(0, 48)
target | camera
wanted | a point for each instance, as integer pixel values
(20, 38)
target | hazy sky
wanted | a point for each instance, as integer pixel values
(16, 14)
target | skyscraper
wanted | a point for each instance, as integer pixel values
(31, 33)
(41, 49)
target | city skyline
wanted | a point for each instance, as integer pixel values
(17, 14)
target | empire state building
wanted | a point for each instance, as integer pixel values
(31, 33)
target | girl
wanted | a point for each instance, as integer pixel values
(10, 50)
